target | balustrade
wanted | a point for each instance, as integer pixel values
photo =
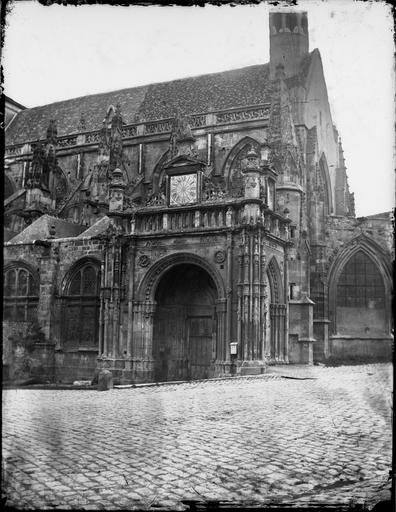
(198, 217)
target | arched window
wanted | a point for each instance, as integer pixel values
(234, 165)
(360, 284)
(20, 294)
(81, 307)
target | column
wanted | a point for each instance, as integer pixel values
(229, 299)
(221, 308)
(131, 290)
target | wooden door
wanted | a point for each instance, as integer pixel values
(170, 340)
(200, 344)
(184, 324)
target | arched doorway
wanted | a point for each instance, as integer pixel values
(184, 330)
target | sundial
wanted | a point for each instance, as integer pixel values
(183, 189)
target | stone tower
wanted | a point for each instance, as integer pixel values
(288, 41)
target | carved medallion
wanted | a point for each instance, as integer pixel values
(220, 256)
(144, 260)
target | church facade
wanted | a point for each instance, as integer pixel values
(190, 229)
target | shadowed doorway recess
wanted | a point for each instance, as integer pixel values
(184, 324)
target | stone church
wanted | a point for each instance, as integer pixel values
(190, 229)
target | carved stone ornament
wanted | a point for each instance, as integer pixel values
(213, 189)
(144, 260)
(156, 200)
(220, 256)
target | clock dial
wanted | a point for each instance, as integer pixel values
(183, 189)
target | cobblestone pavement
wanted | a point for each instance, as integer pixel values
(322, 435)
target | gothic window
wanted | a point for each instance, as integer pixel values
(20, 295)
(81, 308)
(361, 284)
(236, 184)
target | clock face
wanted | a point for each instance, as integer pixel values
(183, 189)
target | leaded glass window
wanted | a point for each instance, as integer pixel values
(20, 295)
(81, 308)
(361, 284)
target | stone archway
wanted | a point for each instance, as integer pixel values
(184, 324)
(146, 345)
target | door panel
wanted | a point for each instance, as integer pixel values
(169, 344)
(183, 344)
(200, 346)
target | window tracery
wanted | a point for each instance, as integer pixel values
(20, 295)
(235, 181)
(81, 308)
(360, 284)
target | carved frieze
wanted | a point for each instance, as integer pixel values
(197, 121)
(129, 131)
(13, 151)
(158, 127)
(67, 141)
(243, 115)
(93, 137)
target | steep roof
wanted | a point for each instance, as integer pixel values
(10, 101)
(379, 216)
(217, 91)
(40, 228)
(96, 229)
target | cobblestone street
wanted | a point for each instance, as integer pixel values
(320, 435)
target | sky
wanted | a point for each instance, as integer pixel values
(59, 52)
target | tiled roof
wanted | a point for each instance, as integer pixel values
(31, 124)
(39, 230)
(379, 216)
(217, 91)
